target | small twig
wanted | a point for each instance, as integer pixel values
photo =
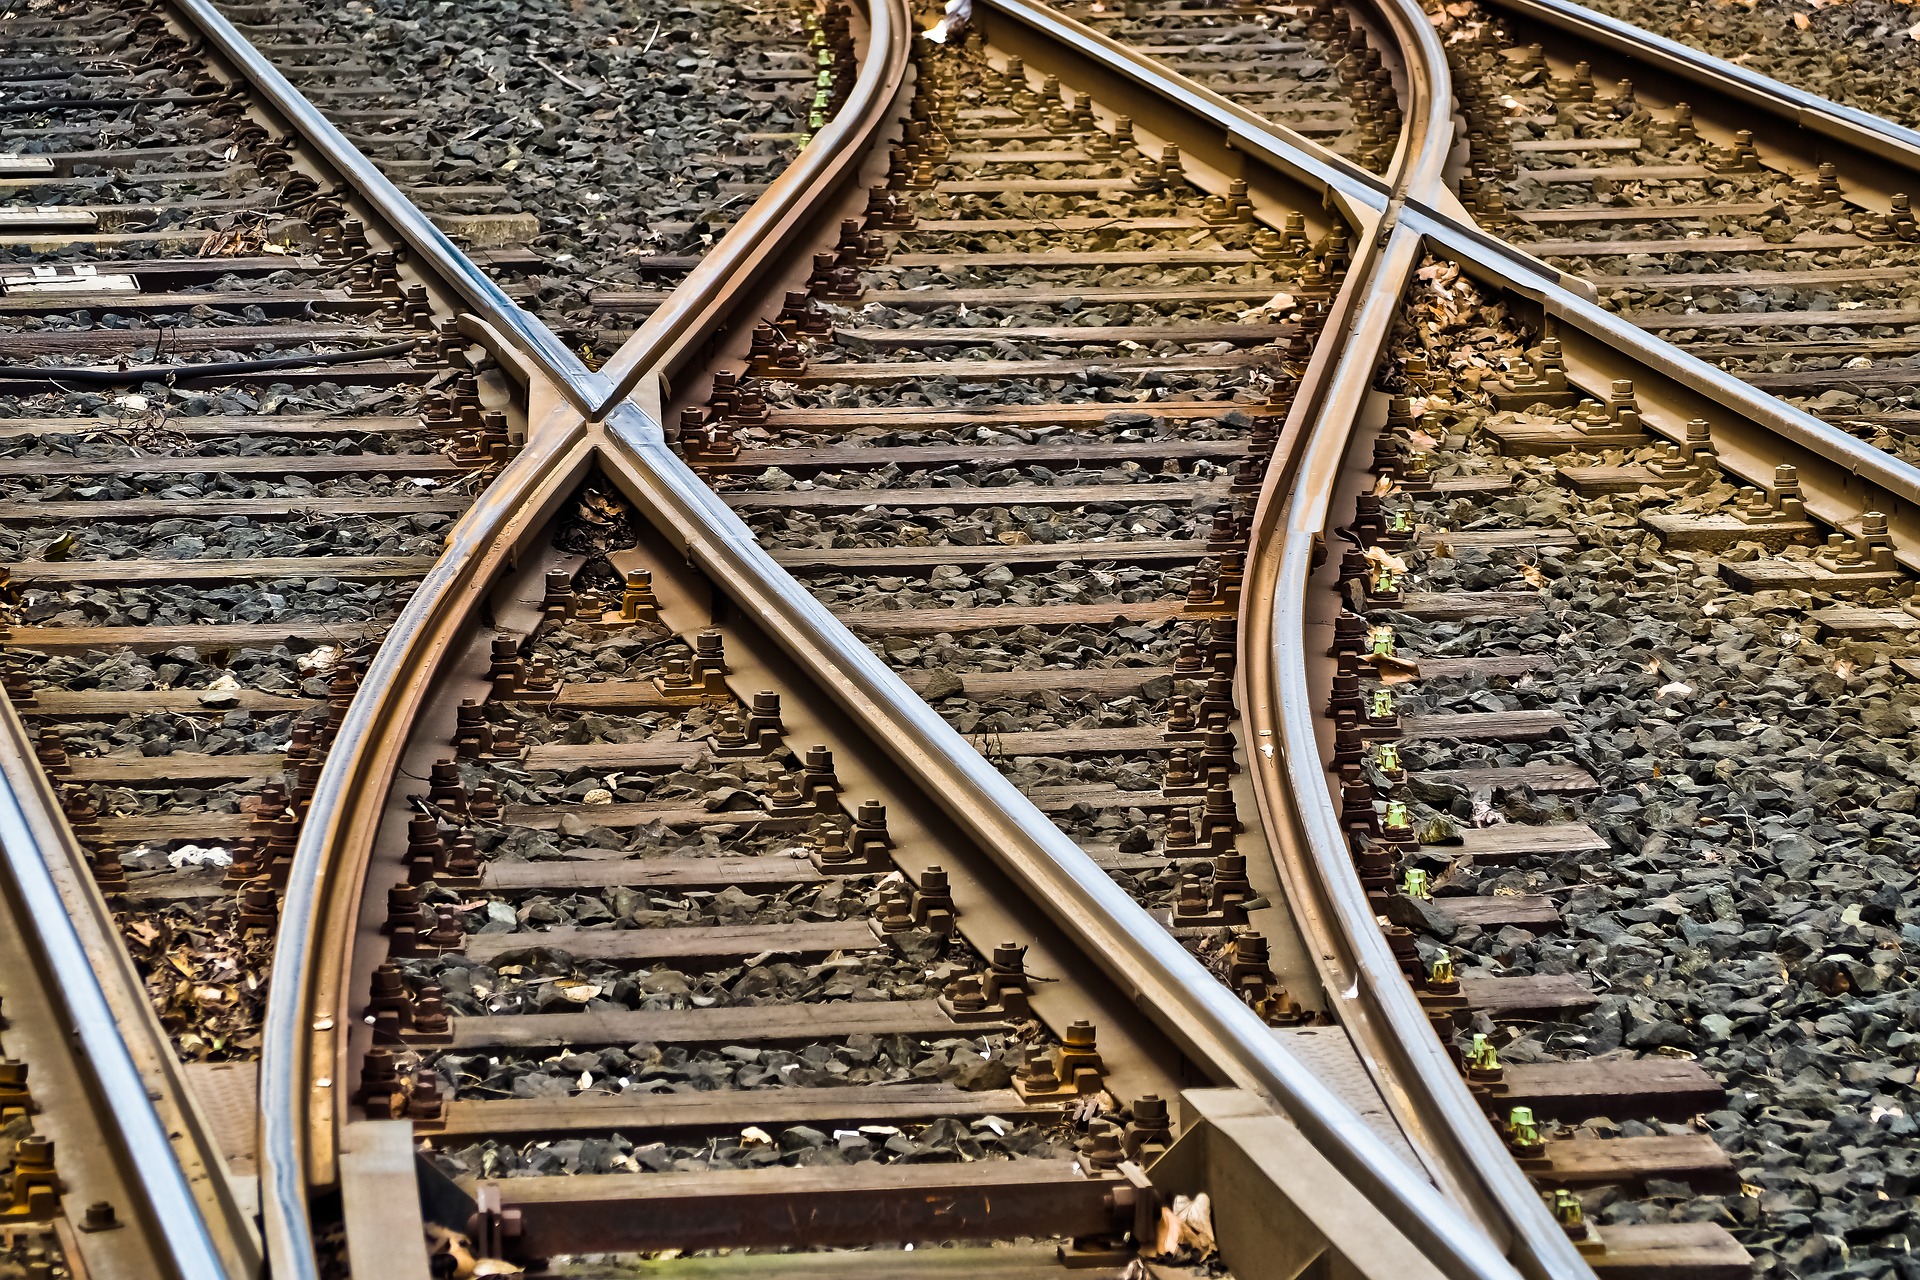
(564, 78)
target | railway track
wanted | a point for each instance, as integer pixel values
(1770, 268)
(849, 771)
(529, 150)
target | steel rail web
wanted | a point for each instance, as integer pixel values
(28, 816)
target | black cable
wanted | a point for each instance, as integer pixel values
(229, 368)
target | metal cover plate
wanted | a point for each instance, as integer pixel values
(229, 1097)
(1330, 1055)
(84, 278)
(46, 218)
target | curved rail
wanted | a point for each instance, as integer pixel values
(1380, 1012)
(303, 1030)
(1173, 988)
(304, 1037)
(1166, 981)
(46, 875)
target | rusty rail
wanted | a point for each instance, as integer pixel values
(299, 1074)
(436, 254)
(304, 1042)
(186, 1213)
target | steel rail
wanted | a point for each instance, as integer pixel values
(437, 255)
(304, 1038)
(79, 947)
(1215, 1028)
(1444, 1121)
(820, 171)
(1164, 978)
(1389, 1027)
(1211, 1025)
(1833, 120)
(1843, 470)
(1841, 474)
(1074, 889)
(1411, 1067)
